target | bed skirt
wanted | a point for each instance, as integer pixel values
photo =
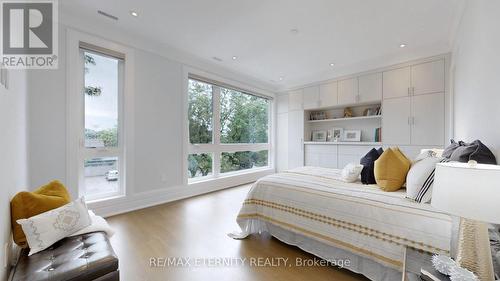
(358, 264)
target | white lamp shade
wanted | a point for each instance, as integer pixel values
(468, 191)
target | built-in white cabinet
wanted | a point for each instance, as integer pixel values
(396, 120)
(295, 139)
(295, 100)
(348, 91)
(396, 83)
(418, 79)
(427, 121)
(282, 141)
(370, 87)
(328, 94)
(412, 97)
(427, 78)
(416, 120)
(282, 104)
(311, 97)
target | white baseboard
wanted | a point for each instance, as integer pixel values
(142, 200)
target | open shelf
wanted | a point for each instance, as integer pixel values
(343, 143)
(346, 119)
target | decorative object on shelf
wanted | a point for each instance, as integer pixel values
(462, 274)
(319, 135)
(329, 135)
(352, 135)
(337, 134)
(347, 112)
(443, 264)
(378, 135)
(317, 115)
(453, 194)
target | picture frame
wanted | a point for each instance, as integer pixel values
(319, 135)
(352, 135)
(337, 134)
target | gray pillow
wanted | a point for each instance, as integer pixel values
(448, 151)
(475, 150)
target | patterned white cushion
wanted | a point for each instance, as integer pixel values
(351, 172)
(420, 179)
(45, 229)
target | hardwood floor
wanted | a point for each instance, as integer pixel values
(196, 228)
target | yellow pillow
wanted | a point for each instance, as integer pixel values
(27, 204)
(391, 169)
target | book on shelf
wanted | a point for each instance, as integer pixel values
(378, 135)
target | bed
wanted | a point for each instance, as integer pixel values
(313, 209)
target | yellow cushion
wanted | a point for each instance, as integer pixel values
(391, 169)
(27, 204)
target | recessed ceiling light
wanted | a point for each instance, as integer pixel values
(235, 57)
(402, 45)
(294, 31)
(134, 13)
(332, 64)
(281, 78)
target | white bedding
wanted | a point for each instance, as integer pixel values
(357, 218)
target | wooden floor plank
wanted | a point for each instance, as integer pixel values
(197, 228)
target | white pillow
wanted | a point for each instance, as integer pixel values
(351, 172)
(45, 229)
(420, 179)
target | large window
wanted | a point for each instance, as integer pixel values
(101, 148)
(228, 130)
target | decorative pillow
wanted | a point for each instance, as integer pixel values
(420, 179)
(45, 229)
(391, 169)
(475, 150)
(367, 176)
(351, 172)
(27, 204)
(448, 151)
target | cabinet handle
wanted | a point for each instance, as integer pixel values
(409, 122)
(413, 120)
(409, 91)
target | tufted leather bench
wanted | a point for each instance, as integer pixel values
(84, 257)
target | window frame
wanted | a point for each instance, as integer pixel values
(86, 153)
(75, 101)
(216, 148)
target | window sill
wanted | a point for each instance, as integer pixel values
(233, 178)
(227, 175)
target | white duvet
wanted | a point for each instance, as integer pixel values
(358, 218)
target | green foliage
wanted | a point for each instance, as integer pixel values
(201, 163)
(91, 90)
(200, 112)
(244, 119)
(108, 137)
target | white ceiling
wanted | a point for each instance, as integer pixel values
(354, 34)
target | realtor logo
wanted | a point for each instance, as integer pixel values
(29, 34)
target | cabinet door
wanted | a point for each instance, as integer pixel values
(328, 94)
(428, 77)
(310, 97)
(295, 139)
(396, 121)
(282, 140)
(428, 119)
(370, 87)
(282, 103)
(348, 91)
(295, 100)
(396, 83)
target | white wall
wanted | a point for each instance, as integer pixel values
(159, 170)
(476, 67)
(13, 155)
